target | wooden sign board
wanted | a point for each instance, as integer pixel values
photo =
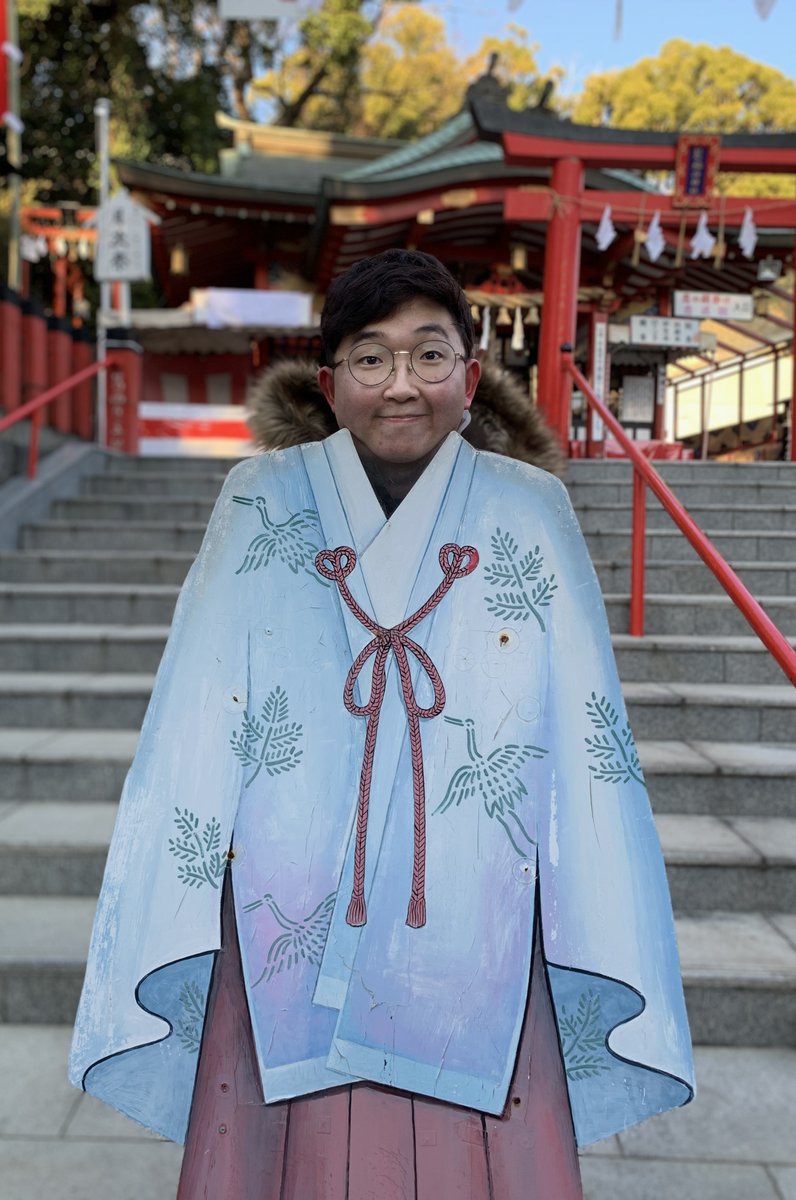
(696, 166)
(721, 306)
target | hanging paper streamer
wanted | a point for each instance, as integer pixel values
(747, 237)
(518, 333)
(655, 241)
(703, 241)
(606, 230)
(486, 326)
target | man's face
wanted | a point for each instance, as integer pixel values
(404, 418)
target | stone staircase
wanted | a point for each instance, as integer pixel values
(85, 604)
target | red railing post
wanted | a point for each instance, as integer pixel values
(638, 554)
(774, 641)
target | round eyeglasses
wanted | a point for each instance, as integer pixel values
(372, 364)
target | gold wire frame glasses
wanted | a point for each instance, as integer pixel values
(372, 364)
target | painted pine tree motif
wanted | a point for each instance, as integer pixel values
(201, 859)
(495, 780)
(303, 940)
(612, 744)
(191, 1020)
(294, 542)
(269, 741)
(583, 1037)
(526, 591)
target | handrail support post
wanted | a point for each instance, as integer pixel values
(638, 555)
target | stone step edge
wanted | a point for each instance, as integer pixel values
(99, 816)
(82, 908)
(679, 695)
(658, 756)
(742, 643)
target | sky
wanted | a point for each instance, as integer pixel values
(579, 35)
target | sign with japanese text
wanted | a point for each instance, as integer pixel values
(123, 244)
(663, 331)
(696, 165)
(722, 306)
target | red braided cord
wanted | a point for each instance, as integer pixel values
(456, 562)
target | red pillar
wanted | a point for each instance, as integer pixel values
(34, 350)
(560, 308)
(59, 367)
(83, 393)
(10, 349)
(124, 394)
(793, 378)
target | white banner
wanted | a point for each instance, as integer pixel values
(722, 306)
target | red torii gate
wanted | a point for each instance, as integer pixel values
(533, 139)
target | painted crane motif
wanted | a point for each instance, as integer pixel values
(496, 780)
(287, 541)
(302, 940)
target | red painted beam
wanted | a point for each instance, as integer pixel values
(537, 205)
(521, 150)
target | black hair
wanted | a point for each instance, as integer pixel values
(374, 288)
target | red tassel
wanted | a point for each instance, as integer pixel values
(357, 913)
(416, 915)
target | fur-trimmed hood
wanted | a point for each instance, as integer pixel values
(286, 407)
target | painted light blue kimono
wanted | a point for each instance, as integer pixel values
(526, 781)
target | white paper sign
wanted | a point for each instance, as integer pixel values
(722, 306)
(663, 331)
(123, 244)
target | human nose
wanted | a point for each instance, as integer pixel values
(402, 381)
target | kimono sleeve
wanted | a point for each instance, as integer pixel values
(157, 923)
(605, 908)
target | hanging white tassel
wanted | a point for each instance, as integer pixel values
(486, 324)
(518, 333)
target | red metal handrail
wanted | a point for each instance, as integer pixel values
(643, 473)
(37, 405)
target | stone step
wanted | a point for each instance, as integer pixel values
(167, 535)
(664, 577)
(200, 485)
(139, 567)
(593, 516)
(746, 545)
(63, 700)
(138, 648)
(105, 603)
(721, 712)
(82, 648)
(739, 969)
(676, 658)
(728, 473)
(709, 616)
(123, 566)
(695, 777)
(596, 518)
(152, 536)
(689, 493)
(132, 508)
(741, 864)
(712, 712)
(153, 604)
(132, 465)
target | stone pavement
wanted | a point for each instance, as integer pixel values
(737, 1141)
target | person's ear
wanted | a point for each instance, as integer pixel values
(326, 384)
(472, 373)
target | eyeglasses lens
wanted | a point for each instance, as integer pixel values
(373, 364)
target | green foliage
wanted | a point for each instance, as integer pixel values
(696, 88)
(166, 68)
